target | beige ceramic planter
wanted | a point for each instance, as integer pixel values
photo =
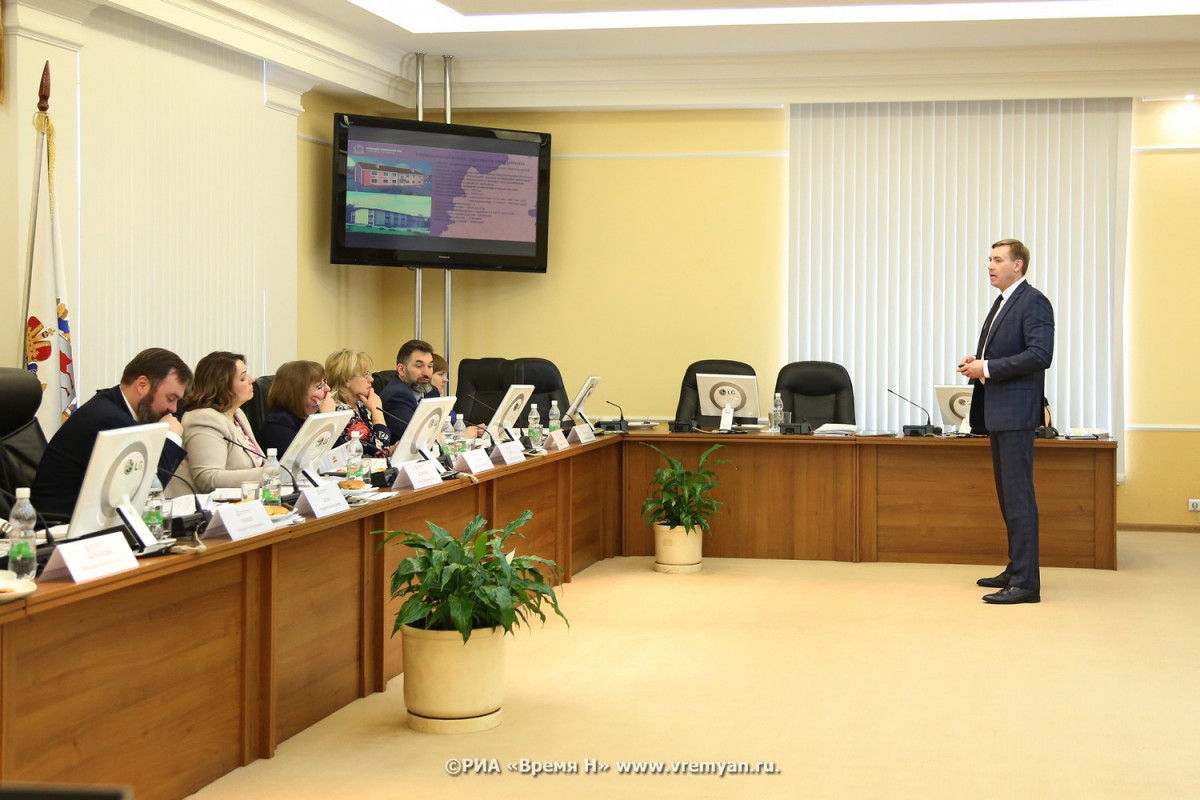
(676, 550)
(449, 686)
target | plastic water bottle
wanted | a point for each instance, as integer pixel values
(22, 540)
(152, 512)
(555, 418)
(777, 412)
(271, 490)
(460, 435)
(354, 457)
(535, 427)
(449, 438)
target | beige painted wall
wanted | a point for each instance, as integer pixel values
(655, 260)
(1163, 466)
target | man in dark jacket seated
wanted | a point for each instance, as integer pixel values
(151, 386)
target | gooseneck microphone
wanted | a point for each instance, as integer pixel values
(260, 455)
(615, 425)
(928, 429)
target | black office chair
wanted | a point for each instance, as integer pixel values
(547, 384)
(256, 408)
(382, 378)
(21, 439)
(688, 410)
(816, 392)
(481, 384)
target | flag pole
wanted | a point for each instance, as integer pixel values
(43, 107)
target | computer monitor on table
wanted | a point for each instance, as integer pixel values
(738, 393)
(313, 441)
(420, 437)
(954, 402)
(575, 410)
(123, 463)
(510, 408)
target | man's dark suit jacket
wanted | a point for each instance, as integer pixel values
(60, 473)
(399, 404)
(1019, 349)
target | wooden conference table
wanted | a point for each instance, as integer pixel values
(171, 675)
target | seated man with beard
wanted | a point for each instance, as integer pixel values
(151, 386)
(414, 368)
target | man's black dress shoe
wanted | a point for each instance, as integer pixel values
(998, 582)
(1011, 595)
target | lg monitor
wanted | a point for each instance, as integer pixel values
(954, 401)
(733, 398)
(314, 440)
(119, 472)
(575, 410)
(510, 408)
(419, 439)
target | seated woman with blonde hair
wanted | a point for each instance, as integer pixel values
(221, 449)
(299, 391)
(353, 387)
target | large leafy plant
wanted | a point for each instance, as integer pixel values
(470, 582)
(682, 498)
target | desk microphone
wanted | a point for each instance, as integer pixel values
(615, 425)
(260, 455)
(928, 429)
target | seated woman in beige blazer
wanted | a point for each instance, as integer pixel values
(213, 418)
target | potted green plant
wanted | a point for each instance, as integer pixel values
(679, 505)
(460, 596)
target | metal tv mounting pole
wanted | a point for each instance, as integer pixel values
(446, 333)
(417, 289)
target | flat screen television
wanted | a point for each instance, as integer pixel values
(431, 194)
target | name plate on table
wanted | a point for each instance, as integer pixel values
(582, 434)
(508, 453)
(240, 520)
(321, 501)
(473, 462)
(88, 559)
(556, 441)
(418, 475)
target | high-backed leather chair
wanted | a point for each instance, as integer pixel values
(688, 410)
(817, 392)
(256, 408)
(481, 384)
(21, 439)
(547, 384)
(382, 378)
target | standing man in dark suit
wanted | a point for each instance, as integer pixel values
(414, 368)
(1008, 371)
(151, 386)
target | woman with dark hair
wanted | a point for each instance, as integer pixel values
(349, 376)
(213, 420)
(299, 391)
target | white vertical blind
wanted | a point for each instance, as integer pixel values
(895, 207)
(187, 202)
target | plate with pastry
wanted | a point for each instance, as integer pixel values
(281, 515)
(12, 589)
(354, 486)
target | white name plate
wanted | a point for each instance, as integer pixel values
(582, 434)
(418, 475)
(473, 462)
(239, 520)
(89, 559)
(508, 453)
(321, 501)
(556, 441)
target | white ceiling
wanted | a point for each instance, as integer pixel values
(741, 39)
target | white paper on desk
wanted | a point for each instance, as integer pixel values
(556, 441)
(835, 429)
(239, 520)
(88, 559)
(418, 475)
(321, 501)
